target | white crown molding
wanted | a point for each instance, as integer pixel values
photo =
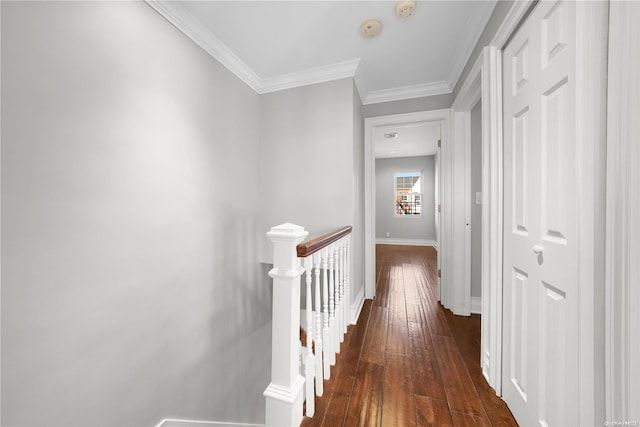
(475, 26)
(192, 28)
(184, 21)
(407, 92)
(362, 86)
(311, 76)
(178, 16)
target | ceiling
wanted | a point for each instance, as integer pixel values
(275, 45)
(413, 139)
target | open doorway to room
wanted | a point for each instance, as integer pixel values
(405, 182)
(475, 208)
(425, 129)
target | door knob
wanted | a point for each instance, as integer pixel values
(537, 249)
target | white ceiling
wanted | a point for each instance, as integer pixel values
(273, 45)
(414, 139)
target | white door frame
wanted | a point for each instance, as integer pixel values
(469, 94)
(435, 116)
(622, 368)
(488, 72)
(484, 81)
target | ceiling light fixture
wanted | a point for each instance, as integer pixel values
(370, 28)
(405, 8)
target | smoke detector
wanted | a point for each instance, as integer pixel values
(405, 8)
(370, 28)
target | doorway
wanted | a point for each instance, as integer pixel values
(551, 214)
(405, 183)
(374, 126)
(474, 203)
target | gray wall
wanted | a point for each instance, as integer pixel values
(131, 288)
(426, 103)
(307, 164)
(414, 228)
(476, 210)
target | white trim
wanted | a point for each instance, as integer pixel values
(407, 92)
(489, 66)
(438, 116)
(517, 12)
(473, 30)
(184, 21)
(177, 15)
(447, 253)
(591, 22)
(406, 242)
(285, 394)
(322, 74)
(591, 99)
(467, 98)
(0, 178)
(622, 308)
(356, 307)
(167, 422)
(493, 194)
(471, 88)
(476, 305)
(362, 85)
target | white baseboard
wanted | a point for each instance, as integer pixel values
(408, 242)
(191, 423)
(356, 308)
(476, 305)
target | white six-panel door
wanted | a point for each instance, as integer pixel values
(540, 362)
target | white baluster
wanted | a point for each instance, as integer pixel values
(336, 302)
(300, 356)
(335, 346)
(326, 330)
(318, 326)
(345, 298)
(309, 362)
(347, 291)
(343, 304)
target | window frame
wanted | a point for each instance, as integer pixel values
(395, 177)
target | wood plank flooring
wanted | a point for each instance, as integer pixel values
(408, 361)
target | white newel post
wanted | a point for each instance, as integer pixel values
(284, 393)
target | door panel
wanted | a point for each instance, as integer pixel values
(540, 249)
(519, 176)
(519, 350)
(555, 159)
(554, 350)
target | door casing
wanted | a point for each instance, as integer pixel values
(442, 117)
(592, 87)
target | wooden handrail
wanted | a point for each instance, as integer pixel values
(305, 249)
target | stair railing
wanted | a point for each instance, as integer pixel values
(325, 261)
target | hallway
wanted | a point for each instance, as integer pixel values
(408, 361)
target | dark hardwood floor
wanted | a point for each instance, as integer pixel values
(408, 361)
